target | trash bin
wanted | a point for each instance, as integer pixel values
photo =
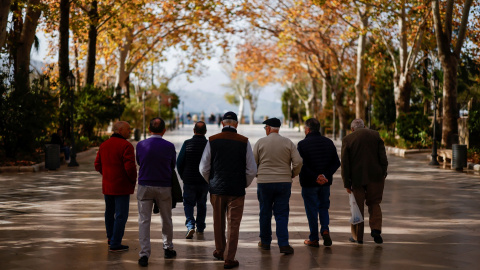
(52, 156)
(459, 156)
(137, 134)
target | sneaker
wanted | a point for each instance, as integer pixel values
(218, 255)
(355, 241)
(263, 246)
(376, 236)
(327, 241)
(229, 264)
(286, 250)
(199, 232)
(119, 248)
(169, 253)
(189, 234)
(311, 243)
(143, 261)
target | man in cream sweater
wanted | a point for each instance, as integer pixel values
(278, 161)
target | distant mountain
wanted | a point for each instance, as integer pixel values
(198, 101)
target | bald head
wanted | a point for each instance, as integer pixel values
(200, 128)
(122, 128)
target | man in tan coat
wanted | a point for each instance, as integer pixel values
(364, 169)
(278, 161)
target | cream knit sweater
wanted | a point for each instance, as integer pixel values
(277, 159)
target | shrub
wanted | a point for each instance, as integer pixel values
(413, 127)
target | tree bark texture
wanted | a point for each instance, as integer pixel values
(63, 60)
(360, 72)
(450, 110)
(4, 10)
(402, 91)
(24, 45)
(92, 44)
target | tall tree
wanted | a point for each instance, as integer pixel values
(4, 11)
(449, 44)
(64, 27)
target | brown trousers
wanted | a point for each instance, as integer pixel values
(371, 195)
(231, 208)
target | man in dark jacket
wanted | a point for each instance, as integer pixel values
(195, 188)
(228, 165)
(320, 162)
(364, 169)
(116, 162)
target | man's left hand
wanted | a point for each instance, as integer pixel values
(321, 179)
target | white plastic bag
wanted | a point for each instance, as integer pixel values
(356, 214)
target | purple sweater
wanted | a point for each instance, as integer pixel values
(156, 158)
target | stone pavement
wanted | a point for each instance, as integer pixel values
(54, 220)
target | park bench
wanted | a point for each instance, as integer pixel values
(446, 156)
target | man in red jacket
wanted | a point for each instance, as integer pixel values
(116, 162)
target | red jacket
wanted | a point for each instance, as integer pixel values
(116, 162)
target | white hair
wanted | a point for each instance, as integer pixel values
(274, 128)
(357, 123)
(229, 122)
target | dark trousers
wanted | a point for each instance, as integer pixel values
(317, 203)
(195, 195)
(371, 195)
(116, 216)
(274, 198)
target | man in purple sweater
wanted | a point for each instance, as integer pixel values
(156, 158)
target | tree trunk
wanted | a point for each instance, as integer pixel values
(122, 73)
(360, 72)
(253, 108)
(240, 108)
(24, 46)
(450, 111)
(324, 93)
(342, 113)
(63, 61)
(92, 45)
(4, 10)
(402, 91)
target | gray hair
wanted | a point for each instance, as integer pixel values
(274, 128)
(357, 123)
(118, 126)
(229, 122)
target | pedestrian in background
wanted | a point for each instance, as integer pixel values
(195, 188)
(228, 165)
(320, 162)
(278, 162)
(364, 169)
(115, 161)
(156, 158)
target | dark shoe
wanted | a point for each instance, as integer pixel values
(169, 253)
(327, 241)
(189, 234)
(199, 232)
(108, 242)
(229, 264)
(218, 255)
(119, 248)
(263, 246)
(286, 250)
(376, 236)
(355, 241)
(311, 243)
(155, 208)
(143, 261)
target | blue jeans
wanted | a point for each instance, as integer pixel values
(317, 203)
(195, 195)
(116, 215)
(274, 197)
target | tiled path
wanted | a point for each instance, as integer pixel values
(54, 220)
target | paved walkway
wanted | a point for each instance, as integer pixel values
(54, 220)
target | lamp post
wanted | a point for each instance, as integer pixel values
(370, 93)
(71, 86)
(299, 114)
(333, 100)
(288, 112)
(144, 121)
(170, 112)
(434, 146)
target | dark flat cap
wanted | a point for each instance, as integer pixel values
(230, 115)
(273, 122)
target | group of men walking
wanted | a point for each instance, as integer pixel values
(224, 165)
